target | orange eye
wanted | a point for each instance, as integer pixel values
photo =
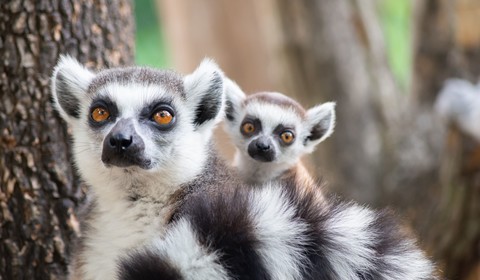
(248, 127)
(163, 117)
(100, 114)
(287, 137)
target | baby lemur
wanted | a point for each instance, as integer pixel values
(165, 207)
(272, 132)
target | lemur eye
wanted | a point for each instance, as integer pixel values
(100, 114)
(287, 137)
(163, 117)
(248, 127)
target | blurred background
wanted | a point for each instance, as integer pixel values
(403, 73)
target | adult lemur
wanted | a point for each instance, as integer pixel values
(166, 208)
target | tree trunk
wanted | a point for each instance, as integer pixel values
(389, 148)
(39, 192)
(447, 45)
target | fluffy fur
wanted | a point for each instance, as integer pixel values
(277, 232)
(131, 204)
(272, 111)
(172, 210)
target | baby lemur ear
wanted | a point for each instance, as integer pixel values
(319, 123)
(234, 100)
(204, 90)
(70, 81)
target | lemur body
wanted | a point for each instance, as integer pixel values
(165, 207)
(272, 132)
(132, 163)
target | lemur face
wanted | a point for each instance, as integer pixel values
(271, 127)
(137, 120)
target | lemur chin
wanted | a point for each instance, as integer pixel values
(165, 207)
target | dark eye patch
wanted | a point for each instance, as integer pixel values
(255, 121)
(152, 107)
(106, 103)
(282, 128)
(146, 114)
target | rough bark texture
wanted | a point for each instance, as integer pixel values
(39, 192)
(389, 147)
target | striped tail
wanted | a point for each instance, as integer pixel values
(278, 233)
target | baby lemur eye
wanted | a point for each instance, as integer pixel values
(287, 136)
(248, 128)
(100, 114)
(163, 117)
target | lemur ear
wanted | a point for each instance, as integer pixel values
(70, 81)
(234, 100)
(204, 90)
(320, 123)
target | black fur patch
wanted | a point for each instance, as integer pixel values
(106, 103)
(315, 216)
(209, 106)
(256, 123)
(319, 129)
(223, 224)
(229, 111)
(217, 207)
(390, 242)
(282, 128)
(67, 100)
(147, 265)
(222, 219)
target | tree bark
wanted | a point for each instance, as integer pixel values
(39, 192)
(389, 148)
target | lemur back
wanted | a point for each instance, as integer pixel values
(165, 207)
(272, 132)
(278, 232)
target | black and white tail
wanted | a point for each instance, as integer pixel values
(278, 233)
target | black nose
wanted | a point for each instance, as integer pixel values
(120, 141)
(263, 146)
(262, 149)
(123, 146)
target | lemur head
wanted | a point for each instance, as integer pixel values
(131, 124)
(272, 128)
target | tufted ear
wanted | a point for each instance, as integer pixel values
(204, 90)
(70, 81)
(234, 100)
(319, 123)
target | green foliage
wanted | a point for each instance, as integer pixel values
(396, 23)
(395, 17)
(150, 46)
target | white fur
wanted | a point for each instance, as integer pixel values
(182, 249)
(77, 77)
(197, 84)
(117, 225)
(233, 92)
(117, 229)
(271, 115)
(280, 236)
(114, 232)
(413, 262)
(349, 231)
(324, 114)
(287, 157)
